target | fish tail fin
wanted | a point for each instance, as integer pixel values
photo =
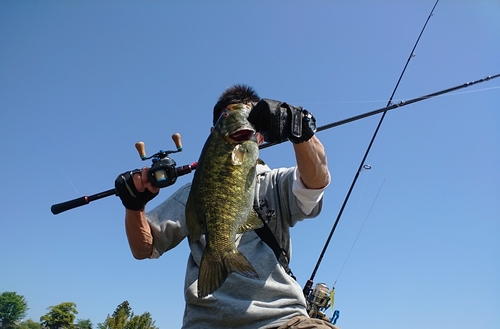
(215, 267)
(238, 263)
(212, 272)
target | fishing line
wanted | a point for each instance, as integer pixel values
(309, 283)
(365, 167)
(71, 184)
(69, 180)
(368, 167)
(472, 91)
(359, 233)
(398, 99)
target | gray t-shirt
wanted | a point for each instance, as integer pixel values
(240, 302)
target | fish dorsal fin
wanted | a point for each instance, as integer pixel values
(253, 222)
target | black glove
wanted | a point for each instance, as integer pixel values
(279, 121)
(131, 198)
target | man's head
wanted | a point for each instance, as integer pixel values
(233, 95)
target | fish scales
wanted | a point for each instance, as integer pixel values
(220, 203)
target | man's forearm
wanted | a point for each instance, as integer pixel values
(139, 235)
(312, 163)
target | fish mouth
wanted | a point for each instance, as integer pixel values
(243, 135)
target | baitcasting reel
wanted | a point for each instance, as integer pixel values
(163, 172)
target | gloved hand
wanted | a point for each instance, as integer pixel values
(131, 198)
(279, 121)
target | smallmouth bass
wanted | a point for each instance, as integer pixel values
(220, 202)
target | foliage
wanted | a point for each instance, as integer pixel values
(124, 318)
(13, 308)
(60, 316)
(122, 309)
(119, 317)
(29, 324)
(143, 321)
(83, 324)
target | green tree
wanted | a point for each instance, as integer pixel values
(143, 321)
(124, 318)
(13, 308)
(29, 324)
(119, 318)
(60, 316)
(83, 324)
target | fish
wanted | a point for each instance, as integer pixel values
(220, 201)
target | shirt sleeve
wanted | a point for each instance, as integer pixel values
(307, 199)
(167, 222)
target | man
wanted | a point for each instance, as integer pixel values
(283, 197)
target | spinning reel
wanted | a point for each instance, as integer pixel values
(318, 301)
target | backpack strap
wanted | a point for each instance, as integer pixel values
(267, 236)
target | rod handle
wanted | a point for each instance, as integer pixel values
(63, 206)
(81, 201)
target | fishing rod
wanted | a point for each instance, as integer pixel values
(310, 294)
(407, 102)
(320, 293)
(162, 173)
(393, 106)
(161, 161)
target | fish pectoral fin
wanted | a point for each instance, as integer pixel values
(238, 155)
(253, 222)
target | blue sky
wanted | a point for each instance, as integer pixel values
(81, 82)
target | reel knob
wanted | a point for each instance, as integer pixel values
(141, 149)
(177, 141)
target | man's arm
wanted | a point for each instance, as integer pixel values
(137, 227)
(275, 120)
(139, 235)
(312, 163)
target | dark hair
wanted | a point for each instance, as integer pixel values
(233, 95)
